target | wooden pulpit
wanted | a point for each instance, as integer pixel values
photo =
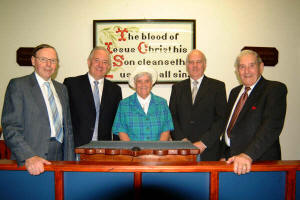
(138, 151)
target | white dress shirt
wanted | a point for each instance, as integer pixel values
(100, 85)
(100, 88)
(198, 84)
(44, 90)
(227, 139)
(144, 102)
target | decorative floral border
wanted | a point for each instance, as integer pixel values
(161, 44)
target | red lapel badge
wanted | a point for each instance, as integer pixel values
(253, 108)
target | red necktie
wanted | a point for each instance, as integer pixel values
(237, 110)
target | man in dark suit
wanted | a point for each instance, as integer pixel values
(36, 117)
(198, 108)
(88, 122)
(255, 133)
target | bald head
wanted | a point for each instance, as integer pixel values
(196, 52)
(195, 64)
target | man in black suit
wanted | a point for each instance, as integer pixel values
(88, 122)
(255, 133)
(198, 108)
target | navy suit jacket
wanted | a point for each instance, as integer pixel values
(25, 121)
(83, 109)
(203, 120)
(260, 122)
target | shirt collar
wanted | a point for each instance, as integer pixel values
(40, 80)
(91, 78)
(146, 100)
(199, 80)
(252, 86)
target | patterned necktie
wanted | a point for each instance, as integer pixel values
(97, 106)
(194, 90)
(55, 115)
(237, 110)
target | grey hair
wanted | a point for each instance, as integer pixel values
(195, 50)
(247, 52)
(139, 75)
(103, 49)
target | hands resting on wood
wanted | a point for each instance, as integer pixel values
(35, 165)
(241, 163)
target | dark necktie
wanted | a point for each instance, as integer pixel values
(238, 108)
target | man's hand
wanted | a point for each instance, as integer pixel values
(200, 145)
(185, 140)
(35, 165)
(241, 163)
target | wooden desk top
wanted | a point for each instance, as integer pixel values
(107, 166)
(138, 151)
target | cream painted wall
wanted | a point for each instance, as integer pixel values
(223, 28)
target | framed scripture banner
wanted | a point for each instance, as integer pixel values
(161, 44)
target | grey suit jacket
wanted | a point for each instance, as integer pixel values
(25, 122)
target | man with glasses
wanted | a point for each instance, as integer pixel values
(36, 117)
(94, 100)
(255, 117)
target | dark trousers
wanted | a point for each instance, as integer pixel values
(55, 151)
(227, 152)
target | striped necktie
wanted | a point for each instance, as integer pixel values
(55, 115)
(239, 106)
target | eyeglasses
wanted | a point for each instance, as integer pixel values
(45, 60)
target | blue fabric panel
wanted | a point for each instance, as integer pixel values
(181, 186)
(98, 185)
(255, 185)
(21, 185)
(297, 185)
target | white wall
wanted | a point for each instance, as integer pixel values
(223, 28)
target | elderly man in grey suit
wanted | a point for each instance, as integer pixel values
(36, 116)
